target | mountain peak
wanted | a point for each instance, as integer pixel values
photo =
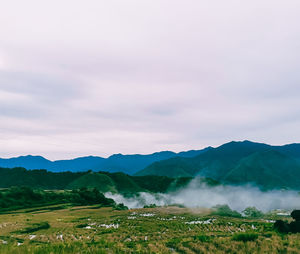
(31, 157)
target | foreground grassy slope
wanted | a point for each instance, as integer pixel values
(159, 230)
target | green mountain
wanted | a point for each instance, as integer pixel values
(292, 150)
(237, 163)
(269, 169)
(232, 163)
(93, 180)
(125, 183)
(213, 163)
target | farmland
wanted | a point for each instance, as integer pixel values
(94, 229)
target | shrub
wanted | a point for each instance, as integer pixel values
(252, 212)
(120, 207)
(130, 245)
(225, 210)
(150, 206)
(282, 226)
(202, 238)
(296, 215)
(82, 225)
(245, 237)
(85, 196)
(173, 243)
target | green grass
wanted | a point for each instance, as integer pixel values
(245, 237)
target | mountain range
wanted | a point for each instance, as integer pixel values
(238, 163)
(242, 162)
(128, 164)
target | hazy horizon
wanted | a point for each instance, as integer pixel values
(137, 153)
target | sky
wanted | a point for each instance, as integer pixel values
(101, 77)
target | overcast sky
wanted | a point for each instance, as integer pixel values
(138, 76)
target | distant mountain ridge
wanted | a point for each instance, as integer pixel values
(238, 163)
(242, 162)
(128, 164)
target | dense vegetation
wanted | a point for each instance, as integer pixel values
(103, 181)
(36, 178)
(23, 197)
(269, 167)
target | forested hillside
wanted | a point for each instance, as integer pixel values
(103, 181)
(238, 163)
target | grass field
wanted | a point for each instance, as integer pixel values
(91, 229)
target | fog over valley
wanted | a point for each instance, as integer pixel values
(201, 195)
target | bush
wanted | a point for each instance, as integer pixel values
(252, 212)
(150, 206)
(295, 226)
(296, 215)
(225, 210)
(120, 207)
(90, 197)
(282, 226)
(82, 225)
(202, 238)
(245, 237)
(173, 243)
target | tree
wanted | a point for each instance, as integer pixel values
(225, 210)
(253, 212)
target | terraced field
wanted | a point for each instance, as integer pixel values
(91, 229)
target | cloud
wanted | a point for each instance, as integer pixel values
(107, 76)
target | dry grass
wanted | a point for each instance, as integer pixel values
(151, 230)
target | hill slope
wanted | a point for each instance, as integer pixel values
(212, 163)
(269, 169)
(238, 163)
(103, 181)
(93, 180)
